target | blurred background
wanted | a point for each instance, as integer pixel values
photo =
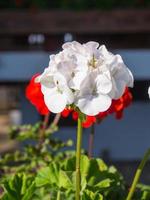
(31, 30)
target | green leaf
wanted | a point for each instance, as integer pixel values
(65, 179)
(20, 187)
(11, 194)
(84, 165)
(93, 172)
(48, 175)
(102, 165)
(104, 183)
(70, 164)
(83, 183)
(89, 195)
(29, 192)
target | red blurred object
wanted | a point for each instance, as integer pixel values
(34, 95)
(89, 121)
(65, 112)
(75, 115)
(120, 104)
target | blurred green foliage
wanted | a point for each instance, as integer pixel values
(37, 148)
(57, 179)
(72, 4)
(39, 169)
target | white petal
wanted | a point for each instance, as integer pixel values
(104, 84)
(69, 95)
(40, 77)
(104, 52)
(67, 45)
(76, 81)
(60, 80)
(122, 79)
(87, 85)
(131, 79)
(92, 45)
(112, 93)
(66, 69)
(72, 45)
(92, 105)
(46, 77)
(55, 101)
(119, 88)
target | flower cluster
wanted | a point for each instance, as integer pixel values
(117, 107)
(35, 96)
(84, 76)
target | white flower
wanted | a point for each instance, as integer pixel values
(89, 58)
(85, 75)
(93, 96)
(86, 58)
(83, 55)
(121, 76)
(65, 63)
(56, 92)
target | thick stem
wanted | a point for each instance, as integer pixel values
(91, 141)
(78, 157)
(138, 174)
(58, 195)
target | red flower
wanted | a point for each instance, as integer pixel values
(89, 121)
(75, 115)
(122, 103)
(34, 95)
(65, 112)
(102, 115)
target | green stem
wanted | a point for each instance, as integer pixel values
(138, 174)
(78, 157)
(58, 195)
(91, 141)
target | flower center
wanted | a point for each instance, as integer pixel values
(93, 62)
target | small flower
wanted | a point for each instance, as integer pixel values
(121, 76)
(35, 96)
(57, 95)
(93, 96)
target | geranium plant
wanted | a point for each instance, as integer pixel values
(85, 78)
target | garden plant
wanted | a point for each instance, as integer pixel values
(89, 83)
